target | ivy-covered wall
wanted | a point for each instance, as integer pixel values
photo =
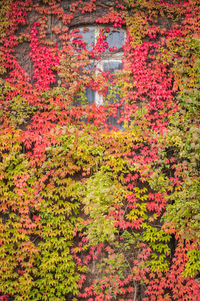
(88, 211)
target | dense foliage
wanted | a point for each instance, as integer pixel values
(89, 212)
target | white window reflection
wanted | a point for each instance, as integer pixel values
(115, 40)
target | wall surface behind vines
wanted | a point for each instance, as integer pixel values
(88, 211)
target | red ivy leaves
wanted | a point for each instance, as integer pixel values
(44, 59)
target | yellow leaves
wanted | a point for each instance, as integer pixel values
(9, 140)
(83, 269)
(178, 188)
(137, 25)
(139, 205)
(153, 218)
(159, 181)
(137, 212)
(139, 191)
(100, 195)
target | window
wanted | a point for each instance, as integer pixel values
(105, 48)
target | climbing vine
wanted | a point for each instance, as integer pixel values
(93, 209)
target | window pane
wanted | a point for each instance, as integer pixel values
(112, 66)
(85, 38)
(114, 92)
(115, 39)
(113, 121)
(90, 94)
